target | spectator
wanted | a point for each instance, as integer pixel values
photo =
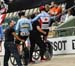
(3, 8)
(62, 19)
(56, 10)
(68, 15)
(55, 13)
(63, 7)
(52, 4)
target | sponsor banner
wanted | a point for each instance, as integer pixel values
(63, 45)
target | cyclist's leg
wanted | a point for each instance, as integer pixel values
(20, 49)
(26, 57)
(26, 52)
(19, 46)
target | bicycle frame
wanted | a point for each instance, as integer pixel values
(23, 49)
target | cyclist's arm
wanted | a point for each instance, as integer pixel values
(40, 30)
(36, 18)
(31, 27)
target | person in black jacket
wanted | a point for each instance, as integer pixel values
(35, 38)
(9, 44)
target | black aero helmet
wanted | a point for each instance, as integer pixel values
(21, 14)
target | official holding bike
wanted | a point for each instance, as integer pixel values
(39, 22)
(9, 44)
(44, 20)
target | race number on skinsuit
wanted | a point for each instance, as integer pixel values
(45, 22)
